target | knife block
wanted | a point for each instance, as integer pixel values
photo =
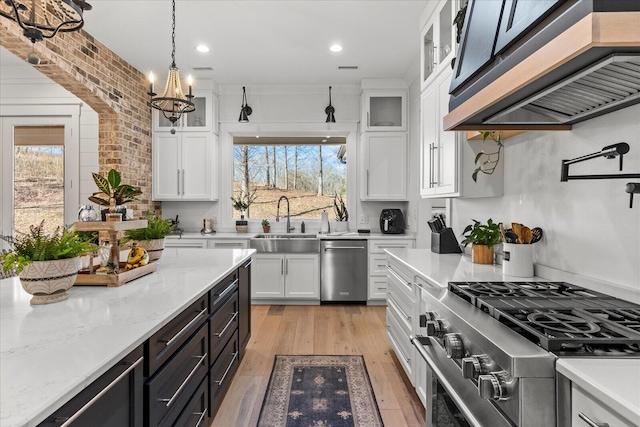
(445, 242)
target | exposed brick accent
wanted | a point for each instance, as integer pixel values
(109, 85)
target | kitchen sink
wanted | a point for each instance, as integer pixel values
(281, 243)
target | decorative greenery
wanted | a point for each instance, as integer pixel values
(482, 234)
(340, 208)
(157, 228)
(36, 245)
(488, 166)
(265, 222)
(458, 21)
(111, 187)
(242, 201)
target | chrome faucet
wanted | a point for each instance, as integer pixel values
(289, 227)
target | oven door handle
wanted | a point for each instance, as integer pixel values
(416, 340)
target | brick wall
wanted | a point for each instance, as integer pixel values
(112, 88)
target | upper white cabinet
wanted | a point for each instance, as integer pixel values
(384, 110)
(183, 166)
(438, 41)
(203, 119)
(384, 168)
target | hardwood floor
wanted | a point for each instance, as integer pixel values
(326, 329)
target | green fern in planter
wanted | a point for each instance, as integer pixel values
(157, 228)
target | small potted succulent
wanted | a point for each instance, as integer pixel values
(111, 190)
(482, 238)
(266, 226)
(152, 237)
(47, 264)
(342, 215)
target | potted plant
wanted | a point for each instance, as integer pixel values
(342, 215)
(47, 264)
(241, 203)
(265, 225)
(111, 190)
(152, 237)
(482, 238)
(489, 160)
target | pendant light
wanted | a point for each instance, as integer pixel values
(43, 19)
(245, 110)
(173, 102)
(330, 110)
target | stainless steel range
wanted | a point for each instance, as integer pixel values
(491, 347)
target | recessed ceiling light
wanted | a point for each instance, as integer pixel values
(202, 48)
(335, 48)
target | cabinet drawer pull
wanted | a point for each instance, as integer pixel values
(221, 333)
(400, 279)
(397, 306)
(170, 401)
(186, 328)
(235, 356)
(399, 245)
(248, 264)
(591, 423)
(202, 414)
(87, 405)
(399, 349)
(225, 292)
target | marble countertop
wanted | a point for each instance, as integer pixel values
(49, 353)
(339, 235)
(616, 382)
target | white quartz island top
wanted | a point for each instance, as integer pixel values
(49, 353)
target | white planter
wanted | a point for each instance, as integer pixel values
(342, 226)
(154, 248)
(48, 281)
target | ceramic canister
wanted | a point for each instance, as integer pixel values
(517, 259)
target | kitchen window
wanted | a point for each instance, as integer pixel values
(309, 171)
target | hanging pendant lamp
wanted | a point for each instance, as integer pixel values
(43, 19)
(245, 110)
(330, 110)
(173, 102)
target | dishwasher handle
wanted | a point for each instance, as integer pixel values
(343, 247)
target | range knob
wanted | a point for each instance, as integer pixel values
(435, 328)
(426, 317)
(474, 366)
(494, 386)
(453, 346)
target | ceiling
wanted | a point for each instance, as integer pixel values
(263, 42)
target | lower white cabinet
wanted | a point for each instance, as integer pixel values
(228, 244)
(203, 243)
(587, 410)
(185, 243)
(378, 264)
(286, 276)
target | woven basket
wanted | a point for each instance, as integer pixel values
(154, 248)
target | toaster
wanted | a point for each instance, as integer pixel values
(391, 221)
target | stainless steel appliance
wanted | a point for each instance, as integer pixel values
(343, 271)
(391, 221)
(491, 347)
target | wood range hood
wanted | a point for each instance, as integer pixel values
(578, 64)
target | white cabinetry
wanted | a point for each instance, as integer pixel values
(286, 276)
(204, 243)
(384, 166)
(228, 244)
(587, 410)
(183, 166)
(438, 41)
(185, 243)
(384, 110)
(378, 264)
(203, 119)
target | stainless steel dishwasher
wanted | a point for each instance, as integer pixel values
(343, 271)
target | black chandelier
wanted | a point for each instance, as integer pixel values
(173, 102)
(43, 19)
(330, 110)
(245, 110)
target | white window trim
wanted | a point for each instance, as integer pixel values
(230, 130)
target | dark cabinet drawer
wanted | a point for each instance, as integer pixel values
(222, 372)
(168, 391)
(196, 412)
(113, 400)
(220, 292)
(222, 324)
(244, 300)
(164, 343)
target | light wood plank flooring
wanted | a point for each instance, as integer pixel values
(326, 329)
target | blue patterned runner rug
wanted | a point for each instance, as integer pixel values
(319, 391)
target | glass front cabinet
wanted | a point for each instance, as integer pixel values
(384, 110)
(438, 41)
(200, 120)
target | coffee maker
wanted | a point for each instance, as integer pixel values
(391, 221)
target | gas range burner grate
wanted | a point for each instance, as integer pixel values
(471, 291)
(573, 331)
(490, 304)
